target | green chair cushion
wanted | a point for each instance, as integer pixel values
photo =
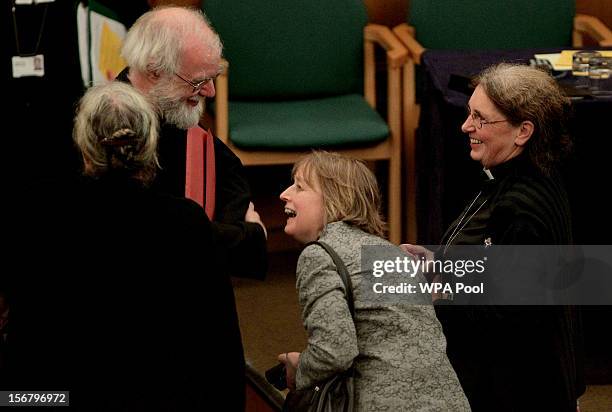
(492, 24)
(314, 123)
(288, 49)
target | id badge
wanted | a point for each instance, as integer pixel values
(29, 66)
(27, 2)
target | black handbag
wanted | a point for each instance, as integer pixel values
(337, 394)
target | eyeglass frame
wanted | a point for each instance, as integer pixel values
(197, 86)
(480, 120)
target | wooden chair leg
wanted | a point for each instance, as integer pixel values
(410, 119)
(395, 199)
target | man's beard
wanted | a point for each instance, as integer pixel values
(174, 108)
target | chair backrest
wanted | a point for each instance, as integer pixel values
(284, 49)
(492, 24)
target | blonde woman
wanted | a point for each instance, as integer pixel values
(398, 350)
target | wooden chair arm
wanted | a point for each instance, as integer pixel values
(397, 56)
(410, 114)
(221, 104)
(405, 34)
(396, 53)
(594, 28)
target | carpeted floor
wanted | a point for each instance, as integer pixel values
(269, 313)
(271, 324)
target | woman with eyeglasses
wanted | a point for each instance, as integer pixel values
(511, 358)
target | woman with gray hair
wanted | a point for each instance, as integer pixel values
(114, 312)
(116, 131)
(514, 358)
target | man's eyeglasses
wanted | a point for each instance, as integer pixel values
(199, 85)
(479, 121)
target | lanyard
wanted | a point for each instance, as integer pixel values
(40, 31)
(460, 226)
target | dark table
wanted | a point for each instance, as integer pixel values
(446, 175)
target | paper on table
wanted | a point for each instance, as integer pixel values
(554, 59)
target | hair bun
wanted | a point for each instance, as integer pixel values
(121, 137)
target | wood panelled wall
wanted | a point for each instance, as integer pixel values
(393, 12)
(387, 12)
(598, 8)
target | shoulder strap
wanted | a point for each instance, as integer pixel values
(342, 271)
(200, 169)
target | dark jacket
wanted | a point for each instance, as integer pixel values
(119, 296)
(246, 241)
(516, 357)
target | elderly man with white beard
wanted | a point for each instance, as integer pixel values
(173, 56)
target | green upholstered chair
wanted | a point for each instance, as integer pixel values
(482, 24)
(302, 75)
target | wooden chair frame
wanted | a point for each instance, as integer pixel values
(389, 149)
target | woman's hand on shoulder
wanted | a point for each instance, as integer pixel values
(417, 251)
(420, 253)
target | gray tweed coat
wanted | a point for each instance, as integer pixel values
(399, 350)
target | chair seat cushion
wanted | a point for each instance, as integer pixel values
(331, 121)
